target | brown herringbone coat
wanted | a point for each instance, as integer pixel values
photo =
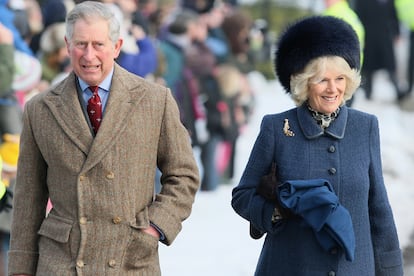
(101, 189)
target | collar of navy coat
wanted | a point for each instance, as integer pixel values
(311, 129)
(63, 103)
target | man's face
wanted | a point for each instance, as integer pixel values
(91, 51)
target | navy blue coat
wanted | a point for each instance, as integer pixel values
(347, 154)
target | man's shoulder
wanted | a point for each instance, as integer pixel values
(132, 81)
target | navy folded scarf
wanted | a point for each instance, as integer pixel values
(315, 201)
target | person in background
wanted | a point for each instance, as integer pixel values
(7, 17)
(237, 28)
(52, 11)
(212, 14)
(10, 123)
(138, 55)
(4, 193)
(9, 152)
(99, 177)
(6, 60)
(327, 212)
(27, 18)
(382, 30)
(341, 9)
(53, 54)
(405, 11)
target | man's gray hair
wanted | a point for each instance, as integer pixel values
(90, 10)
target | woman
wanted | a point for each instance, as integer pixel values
(329, 214)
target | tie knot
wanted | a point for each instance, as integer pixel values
(94, 89)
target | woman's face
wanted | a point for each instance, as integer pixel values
(327, 93)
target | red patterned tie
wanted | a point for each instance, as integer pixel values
(94, 108)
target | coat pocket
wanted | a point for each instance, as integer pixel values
(56, 228)
(142, 249)
(55, 242)
(141, 220)
(390, 259)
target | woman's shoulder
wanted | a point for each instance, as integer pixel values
(287, 114)
(355, 114)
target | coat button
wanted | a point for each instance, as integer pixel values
(116, 220)
(82, 178)
(331, 149)
(332, 171)
(83, 220)
(110, 175)
(331, 273)
(112, 263)
(80, 263)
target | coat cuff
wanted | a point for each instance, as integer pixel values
(22, 262)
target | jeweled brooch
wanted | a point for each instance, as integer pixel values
(286, 129)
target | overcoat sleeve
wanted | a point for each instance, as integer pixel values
(388, 259)
(180, 179)
(30, 194)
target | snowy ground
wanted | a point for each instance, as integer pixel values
(215, 241)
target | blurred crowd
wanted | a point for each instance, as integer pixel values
(202, 50)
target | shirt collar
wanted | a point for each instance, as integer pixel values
(104, 85)
(312, 129)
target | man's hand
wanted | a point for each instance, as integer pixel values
(152, 231)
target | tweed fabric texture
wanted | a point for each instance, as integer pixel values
(102, 188)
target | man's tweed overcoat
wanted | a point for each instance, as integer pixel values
(101, 189)
(348, 155)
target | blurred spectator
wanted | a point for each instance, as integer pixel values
(9, 150)
(7, 18)
(10, 123)
(53, 53)
(138, 54)
(12, 79)
(382, 30)
(405, 10)
(6, 59)
(159, 13)
(27, 78)
(238, 27)
(172, 44)
(53, 11)
(212, 14)
(199, 72)
(27, 18)
(341, 9)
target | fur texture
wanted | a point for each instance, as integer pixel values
(311, 38)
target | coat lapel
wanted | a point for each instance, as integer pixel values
(312, 130)
(64, 104)
(121, 103)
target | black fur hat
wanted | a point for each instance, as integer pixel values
(311, 38)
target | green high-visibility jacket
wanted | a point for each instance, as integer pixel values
(343, 11)
(405, 12)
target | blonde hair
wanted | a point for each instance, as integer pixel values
(315, 70)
